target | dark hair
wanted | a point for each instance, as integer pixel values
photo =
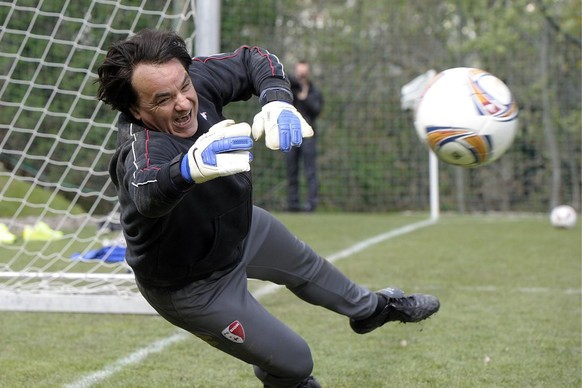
(147, 46)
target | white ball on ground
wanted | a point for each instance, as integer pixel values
(563, 217)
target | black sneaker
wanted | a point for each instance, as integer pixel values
(399, 307)
(309, 382)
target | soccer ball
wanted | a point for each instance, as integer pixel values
(467, 116)
(563, 217)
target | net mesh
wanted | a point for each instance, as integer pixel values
(56, 140)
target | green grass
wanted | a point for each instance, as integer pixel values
(510, 291)
(36, 199)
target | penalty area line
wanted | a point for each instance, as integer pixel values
(133, 358)
(265, 290)
(356, 248)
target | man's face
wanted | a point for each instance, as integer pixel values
(302, 71)
(166, 98)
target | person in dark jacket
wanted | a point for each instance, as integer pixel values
(308, 100)
(182, 173)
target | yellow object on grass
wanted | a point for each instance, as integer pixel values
(40, 232)
(5, 236)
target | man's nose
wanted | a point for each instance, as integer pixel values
(182, 102)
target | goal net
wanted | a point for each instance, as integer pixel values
(60, 244)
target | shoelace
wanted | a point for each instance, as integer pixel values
(407, 301)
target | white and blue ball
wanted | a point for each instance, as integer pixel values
(467, 116)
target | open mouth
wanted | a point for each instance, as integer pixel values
(184, 120)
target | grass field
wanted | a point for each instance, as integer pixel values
(511, 300)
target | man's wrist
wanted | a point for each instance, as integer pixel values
(275, 94)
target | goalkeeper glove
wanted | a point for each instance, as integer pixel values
(223, 151)
(283, 126)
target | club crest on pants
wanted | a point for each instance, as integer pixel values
(235, 332)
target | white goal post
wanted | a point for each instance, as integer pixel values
(410, 94)
(58, 229)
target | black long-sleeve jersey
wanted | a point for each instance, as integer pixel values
(178, 232)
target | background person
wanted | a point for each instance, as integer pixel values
(308, 100)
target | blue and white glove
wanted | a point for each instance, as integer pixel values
(282, 125)
(223, 151)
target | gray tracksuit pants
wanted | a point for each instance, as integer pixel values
(221, 311)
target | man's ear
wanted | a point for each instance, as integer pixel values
(135, 113)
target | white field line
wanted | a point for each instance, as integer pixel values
(133, 358)
(492, 289)
(356, 248)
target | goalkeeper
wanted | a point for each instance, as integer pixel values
(182, 173)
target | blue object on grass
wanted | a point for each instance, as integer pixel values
(109, 254)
